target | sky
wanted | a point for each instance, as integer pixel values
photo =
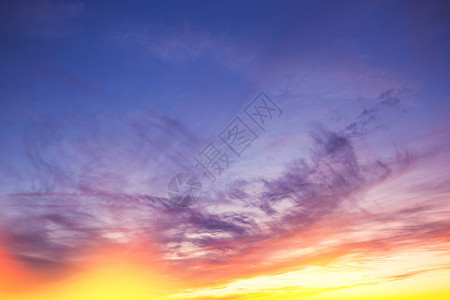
(318, 131)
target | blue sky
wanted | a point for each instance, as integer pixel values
(200, 63)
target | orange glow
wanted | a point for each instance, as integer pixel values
(114, 273)
(132, 273)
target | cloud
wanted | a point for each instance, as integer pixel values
(168, 44)
(313, 280)
(312, 191)
(187, 44)
(90, 188)
(395, 97)
(132, 152)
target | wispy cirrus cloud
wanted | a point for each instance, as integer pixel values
(225, 227)
(350, 271)
(101, 184)
(187, 44)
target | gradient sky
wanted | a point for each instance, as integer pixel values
(344, 195)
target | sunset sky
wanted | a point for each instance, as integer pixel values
(330, 121)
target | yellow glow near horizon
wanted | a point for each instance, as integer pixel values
(114, 275)
(373, 279)
(114, 282)
(418, 273)
(377, 278)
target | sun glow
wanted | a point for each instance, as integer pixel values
(111, 275)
